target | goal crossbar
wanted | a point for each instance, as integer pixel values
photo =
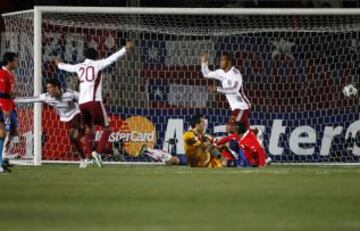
(191, 11)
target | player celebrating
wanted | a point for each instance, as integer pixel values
(65, 103)
(90, 97)
(232, 87)
(8, 118)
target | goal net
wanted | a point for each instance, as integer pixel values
(294, 68)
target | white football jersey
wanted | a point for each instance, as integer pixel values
(90, 76)
(232, 86)
(66, 105)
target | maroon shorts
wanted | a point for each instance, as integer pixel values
(94, 113)
(75, 123)
(242, 116)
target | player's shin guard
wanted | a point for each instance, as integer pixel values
(103, 140)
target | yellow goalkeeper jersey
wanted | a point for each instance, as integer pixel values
(196, 155)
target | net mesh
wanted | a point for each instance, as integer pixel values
(294, 69)
(19, 38)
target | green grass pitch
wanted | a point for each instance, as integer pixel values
(180, 198)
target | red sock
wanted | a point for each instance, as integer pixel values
(103, 140)
(78, 146)
(86, 146)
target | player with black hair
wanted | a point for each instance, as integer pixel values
(65, 103)
(231, 86)
(242, 148)
(8, 117)
(91, 53)
(200, 151)
(91, 104)
(199, 148)
(251, 147)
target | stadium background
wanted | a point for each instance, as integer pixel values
(280, 74)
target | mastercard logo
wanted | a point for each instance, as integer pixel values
(135, 132)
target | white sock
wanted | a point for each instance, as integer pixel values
(6, 147)
(159, 154)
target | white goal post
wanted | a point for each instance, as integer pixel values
(38, 39)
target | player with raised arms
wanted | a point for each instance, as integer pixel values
(231, 86)
(90, 97)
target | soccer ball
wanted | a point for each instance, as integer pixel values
(350, 90)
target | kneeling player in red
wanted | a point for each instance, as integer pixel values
(250, 145)
(230, 149)
(242, 148)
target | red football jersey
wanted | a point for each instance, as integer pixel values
(225, 153)
(227, 139)
(7, 80)
(252, 149)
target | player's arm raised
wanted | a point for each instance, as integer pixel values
(112, 58)
(205, 69)
(64, 66)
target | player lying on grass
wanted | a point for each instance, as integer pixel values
(230, 149)
(199, 150)
(65, 103)
(162, 156)
(243, 147)
(240, 149)
(90, 97)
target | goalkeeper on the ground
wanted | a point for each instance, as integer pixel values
(200, 151)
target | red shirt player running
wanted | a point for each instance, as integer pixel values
(90, 97)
